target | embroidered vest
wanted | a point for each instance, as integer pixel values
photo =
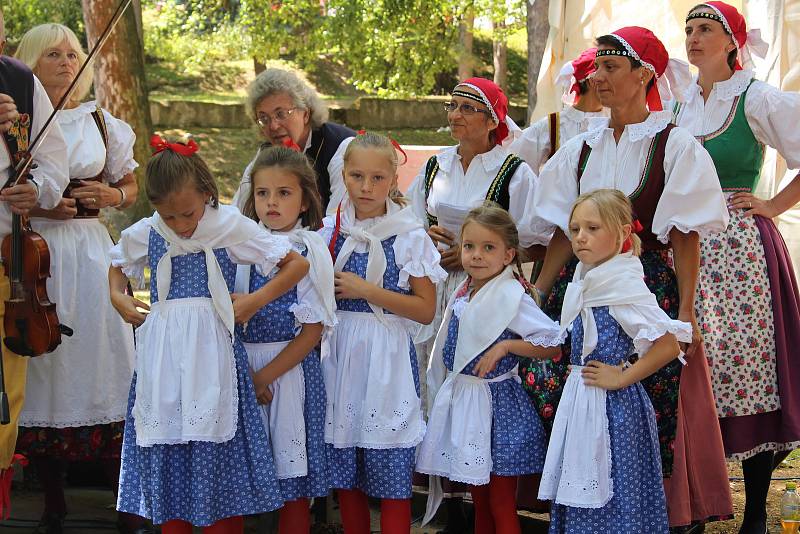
(651, 186)
(16, 80)
(498, 189)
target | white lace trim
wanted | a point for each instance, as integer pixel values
(128, 168)
(655, 123)
(305, 314)
(420, 269)
(454, 478)
(135, 272)
(47, 423)
(553, 339)
(728, 29)
(645, 337)
(633, 53)
(703, 230)
(734, 86)
(771, 446)
(486, 101)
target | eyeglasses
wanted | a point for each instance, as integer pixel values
(265, 119)
(465, 109)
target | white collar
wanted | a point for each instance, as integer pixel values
(575, 115)
(491, 160)
(66, 116)
(726, 89)
(654, 123)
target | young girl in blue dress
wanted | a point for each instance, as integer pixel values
(385, 270)
(482, 429)
(603, 467)
(194, 451)
(281, 339)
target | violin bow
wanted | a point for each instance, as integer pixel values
(25, 162)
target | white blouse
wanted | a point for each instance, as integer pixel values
(692, 199)
(51, 171)
(772, 114)
(534, 144)
(452, 186)
(87, 152)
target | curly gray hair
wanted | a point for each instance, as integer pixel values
(273, 81)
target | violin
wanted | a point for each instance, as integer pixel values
(31, 323)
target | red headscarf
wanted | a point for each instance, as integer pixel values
(736, 27)
(490, 94)
(582, 68)
(642, 44)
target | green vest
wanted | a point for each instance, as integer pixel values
(737, 154)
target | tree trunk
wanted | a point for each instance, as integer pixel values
(500, 55)
(538, 27)
(119, 83)
(465, 40)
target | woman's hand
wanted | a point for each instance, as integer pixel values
(697, 338)
(488, 361)
(245, 305)
(602, 375)
(753, 205)
(64, 211)
(451, 259)
(97, 195)
(441, 235)
(21, 198)
(127, 308)
(351, 286)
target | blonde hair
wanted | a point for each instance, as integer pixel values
(494, 218)
(44, 36)
(615, 210)
(381, 143)
(274, 81)
(295, 163)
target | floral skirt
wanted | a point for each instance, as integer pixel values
(544, 381)
(72, 444)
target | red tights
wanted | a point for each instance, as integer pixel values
(295, 517)
(230, 525)
(395, 513)
(496, 506)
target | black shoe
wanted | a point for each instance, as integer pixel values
(50, 524)
(754, 527)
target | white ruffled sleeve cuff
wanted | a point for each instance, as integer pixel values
(417, 256)
(121, 139)
(534, 326)
(131, 252)
(309, 308)
(264, 250)
(646, 323)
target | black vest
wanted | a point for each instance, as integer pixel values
(325, 141)
(16, 80)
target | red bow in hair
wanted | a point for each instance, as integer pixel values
(290, 144)
(395, 144)
(160, 145)
(636, 228)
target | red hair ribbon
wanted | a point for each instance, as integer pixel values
(395, 144)
(636, 228)
(290, 144)
(160, 145)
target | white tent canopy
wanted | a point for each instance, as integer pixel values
(575, 23)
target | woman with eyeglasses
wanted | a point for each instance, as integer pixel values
(463, 176)
(289, 112)
(676, 196)
(747, 304)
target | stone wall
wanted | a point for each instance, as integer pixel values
(366, 112)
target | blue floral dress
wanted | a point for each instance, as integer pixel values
(199, 482)
(638, 503)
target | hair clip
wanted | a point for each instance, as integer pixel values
(395, 144)
(160, 145)
(291, 145)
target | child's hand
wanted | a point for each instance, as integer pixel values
(351, 286)
(603, 375)
(244, 306)
(490, 358)
(262, 382)
(126, 307)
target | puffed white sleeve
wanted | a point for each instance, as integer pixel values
(335, 168)
(51, 174)
(522, 191)
(416, 196)
(119, 154)
(263, 250)
(243, 191)
(645, 323)
(534, 326)
(130, 253)
(534, 144)
(417, 256)
(692, 200)
(557, 189)
(773, 115)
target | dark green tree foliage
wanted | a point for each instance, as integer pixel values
(22, 15)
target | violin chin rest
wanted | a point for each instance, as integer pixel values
(65, 330)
